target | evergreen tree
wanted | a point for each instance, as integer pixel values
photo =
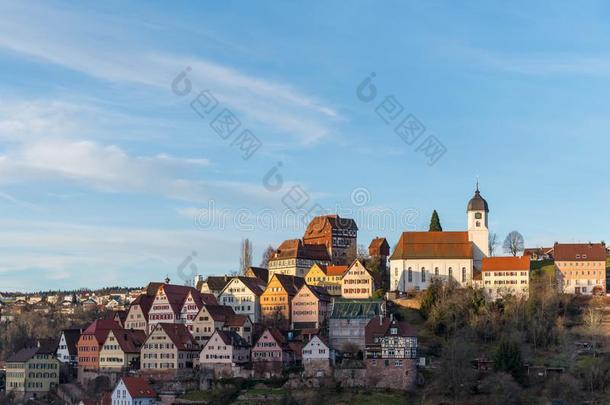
(435, 223)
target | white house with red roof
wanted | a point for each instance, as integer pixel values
(169, 347)
(169, 304)
(503, 276)
(133, 391)
(225, 347)
(421, 256)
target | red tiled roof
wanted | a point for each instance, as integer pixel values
(506, 263)
(591, 252)
(433, 245)
(177, 294)
(379, 247)
(139, 387)
(100, 328)
(335, 270)
(318, 225)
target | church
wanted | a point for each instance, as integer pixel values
(421, 256)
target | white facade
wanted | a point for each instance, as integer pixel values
(63, 354)
(217, 351)
(498, 284)
(478, 234)
(416, 274)
(120, 396)
(243, 300)
(316, 349)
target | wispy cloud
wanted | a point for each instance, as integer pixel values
(275, 105)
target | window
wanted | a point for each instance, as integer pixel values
(436, 271)
(409, 275)
(423, 274)
(463, 274)
(450, 272)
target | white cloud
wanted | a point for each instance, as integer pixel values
(63, 38)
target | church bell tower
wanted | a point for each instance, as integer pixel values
(478, 231)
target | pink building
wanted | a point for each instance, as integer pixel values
(310, 307)
(272, 352)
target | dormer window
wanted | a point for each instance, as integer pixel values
(393, 331)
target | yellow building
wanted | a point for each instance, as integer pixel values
(32, 371)
(276, 300)
(326, 276)
(121, 349)
(581, 267)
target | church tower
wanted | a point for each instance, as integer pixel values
(478, 231)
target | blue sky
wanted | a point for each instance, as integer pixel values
(107, 177)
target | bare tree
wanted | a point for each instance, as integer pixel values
(493, 243)
(267, 254)
(245, 258)
(514, 243)
(363, 252)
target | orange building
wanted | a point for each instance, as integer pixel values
(90, 342)
(276, 300)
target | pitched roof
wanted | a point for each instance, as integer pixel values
(260, 272)
(71, 336)
(22, 355)
(139, 387)
(253, 284)
(100, 328)
(179, 335)
(292, 284)
(379, 247)
(322, 339)
(217, 283)
(152, 287)
(318, 225)
(319, 292)
(131, 340)
(591, 252)
(231, 338)
(356, 309)
(177, 294)
(333, 270)
(381, 327)
(506, 263)
(295, 248)
(220, 313)
(144, 301)
(433, 245)
(539, 251)
(477, 203)
(236, 320)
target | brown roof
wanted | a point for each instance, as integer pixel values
(538, 251)
(144, 301)
(100, 329)
(179, 335)
(139, 387)
(236, 320)
(231, 338)
(151, 288)
(295, 248)
(378, 328)
(217, 283)
(433, 245)
(130, 340)
(254, 284)
(320, 292)
(177, 294)
(71, 336)
(292, 284)
(379, 247)
(22, 355)
(220, 313)
(261, 273)
(506, 263)
(591, 252)
(318, 225)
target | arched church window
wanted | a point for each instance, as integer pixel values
(423, 274)
(436, 271)
(463, 274)
(450, 272)
(478, 224)
(409, 275)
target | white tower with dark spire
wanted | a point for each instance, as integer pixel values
(478, 231)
